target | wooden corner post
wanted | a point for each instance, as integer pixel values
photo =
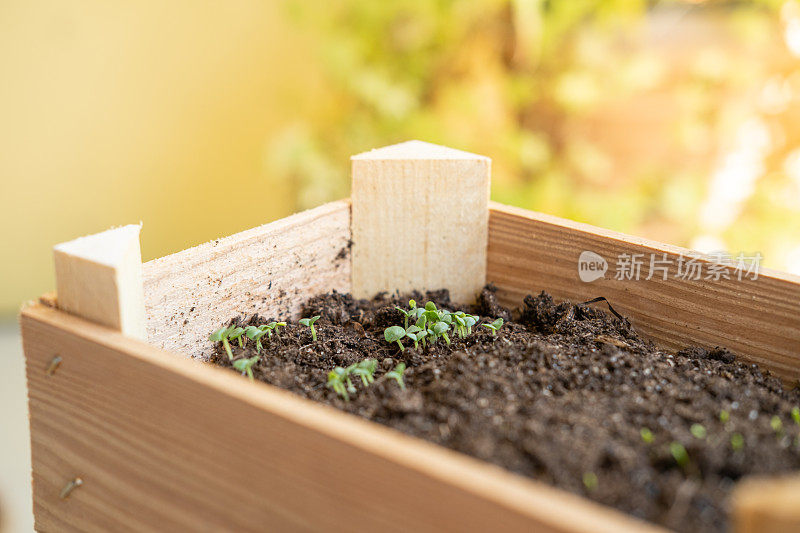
(419, 220)
(99, 278)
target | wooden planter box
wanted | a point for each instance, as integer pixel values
(161, 441)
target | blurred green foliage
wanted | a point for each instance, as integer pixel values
(619, 113)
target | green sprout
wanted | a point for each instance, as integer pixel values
(339, 378)
(724, 416)
(494, 326)
(245, 366)
(776, 424)
(590, 481)
(237, 334)
(698, 431)
(796, 415)
(415, 334)
(222, 335)
(737, 442)
(254, 334)
(394, 334)
(679, 453)
(647, 435)
(310, 323)
(339, 381)
(397, 374)
(440, 330)
(408, 314)
(365, 370)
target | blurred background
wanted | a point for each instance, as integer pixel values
(673, 120)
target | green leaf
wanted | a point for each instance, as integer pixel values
(393, 333)
(698, 431)
(679, 453)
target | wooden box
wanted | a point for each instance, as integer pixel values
(161, 441)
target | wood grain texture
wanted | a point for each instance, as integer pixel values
(419, 220)
(99, 277)
(757, 319)
(272, 269)
(166, 443)
(767, 505)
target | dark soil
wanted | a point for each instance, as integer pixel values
(561, 395)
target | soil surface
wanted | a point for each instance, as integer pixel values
(565, 394)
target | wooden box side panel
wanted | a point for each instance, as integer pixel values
(758, 319)
(272, 268)
(166, 443)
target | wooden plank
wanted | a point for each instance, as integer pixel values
(757, 319)
(99, 277)
(272, 269)
(167, 443)
(767, 505)
(419, 220)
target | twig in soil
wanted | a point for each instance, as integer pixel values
(245, 366)
(603, 299)
(310, 323)
(494, 326)
(397, 374)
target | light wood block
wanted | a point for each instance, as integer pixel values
(272, 269)
(99, 277)
(419, 220)
(767, 505)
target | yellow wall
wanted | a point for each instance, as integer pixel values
(112, 113)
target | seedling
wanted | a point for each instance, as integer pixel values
(223, 335)
(394, 334)
(796, 415)
(440, 330)
(647, 435)
(339, 381)
(724, 416)
(245, 366)
(310, 323)
(494, 326)
(408, 314)
(698, 431)
(365, 370)
(590, 481)
(776, 424)
(397, 374)
(272, 326)
(679, 453)
(237, 334)
(737, 442)
(254, 334)
(415, 334)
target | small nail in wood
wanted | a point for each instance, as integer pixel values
(69, 487)
(54, 364)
